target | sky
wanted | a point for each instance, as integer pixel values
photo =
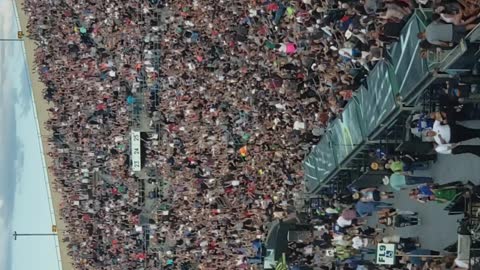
(24, 197)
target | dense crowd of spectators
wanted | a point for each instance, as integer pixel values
(87, 56)
(249, 88)
(245, 88)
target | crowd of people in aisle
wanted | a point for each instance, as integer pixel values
(243, 91)
(351, 222)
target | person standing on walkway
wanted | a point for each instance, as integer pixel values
(457, 149)
(367, 208)
(371, 195)
(417, 259)
(441, 193)
(444, 34)
(451, 133)
(402, 166)
(400, 219)
(404, 244)
(399, 181)
(406, 219)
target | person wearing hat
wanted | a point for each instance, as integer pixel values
(371, 195)
(377, 166)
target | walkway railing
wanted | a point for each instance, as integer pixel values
(393, 87)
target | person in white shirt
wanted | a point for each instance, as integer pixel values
(440, 133)
(452, 133)
(359, 242)
(342, 222)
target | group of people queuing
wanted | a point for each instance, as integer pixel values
(243, 91)
(350, 224)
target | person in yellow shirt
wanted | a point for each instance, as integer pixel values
(397, 166)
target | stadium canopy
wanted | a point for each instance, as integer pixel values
(372, 108)
(392, 87)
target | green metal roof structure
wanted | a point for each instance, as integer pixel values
(392, 86)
